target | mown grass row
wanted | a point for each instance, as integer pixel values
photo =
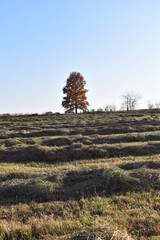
(19, 182)
(76, 151)
(85, 176)
(51, 141)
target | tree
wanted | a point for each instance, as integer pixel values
(99, 110)
(110, 108)
(157, 105)
(75, 94)
(130, 100)
(150, 105)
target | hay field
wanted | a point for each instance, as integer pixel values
(80, 177)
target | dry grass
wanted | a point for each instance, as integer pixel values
(80, 177)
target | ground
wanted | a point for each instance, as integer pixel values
(80, 176)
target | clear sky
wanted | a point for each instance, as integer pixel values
(114, 44)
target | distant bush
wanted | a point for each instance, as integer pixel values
(48, 113)
(99, 110)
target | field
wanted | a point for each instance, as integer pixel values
(82, 177)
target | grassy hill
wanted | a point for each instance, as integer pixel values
(80, 177)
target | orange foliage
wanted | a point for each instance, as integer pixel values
(75, 94)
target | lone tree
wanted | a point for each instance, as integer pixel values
(75, 94)
(130, 100)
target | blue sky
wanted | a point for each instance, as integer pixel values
(114, 44)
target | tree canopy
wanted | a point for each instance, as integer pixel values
(75, 94)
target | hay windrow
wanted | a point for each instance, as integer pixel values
(86, 176)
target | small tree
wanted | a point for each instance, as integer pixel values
(150, 105)
(130, 100)
(75, 94)
(99, 110)
(157, 104)
(110, 108)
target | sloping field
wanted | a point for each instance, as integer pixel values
(81, 177)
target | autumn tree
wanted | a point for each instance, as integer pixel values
(75, 94)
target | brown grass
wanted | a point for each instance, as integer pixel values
(86, 176)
